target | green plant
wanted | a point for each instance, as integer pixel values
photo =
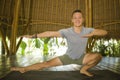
(37, 43)
(45, 49)
(111, 49)
(23, 46)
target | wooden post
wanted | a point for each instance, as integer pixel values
(4, 40)
(4, 34)
(14, 27)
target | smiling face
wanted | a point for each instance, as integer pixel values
(77, 19)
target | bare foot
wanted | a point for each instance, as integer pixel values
(86, 73)
(20, 69)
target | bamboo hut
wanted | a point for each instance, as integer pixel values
(21, 17)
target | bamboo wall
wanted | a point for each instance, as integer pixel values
(56, 14)
(106, 15)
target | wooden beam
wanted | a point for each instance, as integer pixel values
(14, 27)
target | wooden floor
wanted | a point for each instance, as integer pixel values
(109, 63)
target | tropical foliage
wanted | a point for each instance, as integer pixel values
(46, 46)
(51, 46)
(107, 47)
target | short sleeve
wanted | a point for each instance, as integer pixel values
(62, 32)
(90, 30)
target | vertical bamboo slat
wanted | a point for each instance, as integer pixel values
(3, 7)
(86, 13)
(90, 13)
(88, 16)
(14, 27)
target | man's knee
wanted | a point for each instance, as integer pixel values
(95, 56)
(98, 56)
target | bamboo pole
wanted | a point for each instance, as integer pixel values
(90, 14)
(88, 18)
(4, 41)
(14, 27)
(88, 10)
(86, 13)
(28, 23)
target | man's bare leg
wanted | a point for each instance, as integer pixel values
(38, 66)
(90, 60)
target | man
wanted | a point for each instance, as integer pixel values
(76, 37)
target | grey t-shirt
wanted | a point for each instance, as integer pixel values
(76, 43)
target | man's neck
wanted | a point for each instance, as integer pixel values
(78, 29)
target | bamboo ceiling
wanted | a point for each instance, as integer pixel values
(43, 15)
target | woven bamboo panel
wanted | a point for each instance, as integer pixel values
(107, 16)
(51, 12)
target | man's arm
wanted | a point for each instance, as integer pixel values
(49, 34)
(99, 32)
(96, 32)
(44, 34)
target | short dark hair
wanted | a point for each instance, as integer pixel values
(75, 11)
